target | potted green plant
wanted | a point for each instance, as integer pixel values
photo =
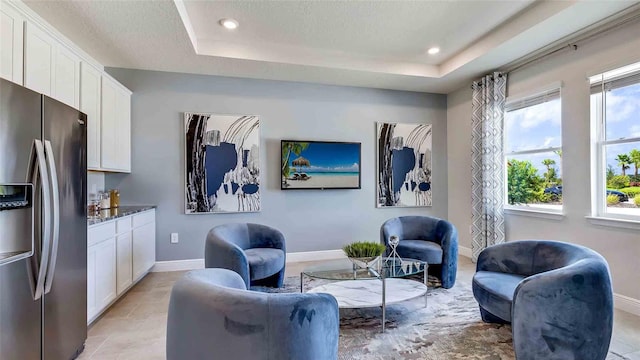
(364, 254)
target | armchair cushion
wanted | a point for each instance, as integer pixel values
(264, 262)
(421, 249)
(495, 290)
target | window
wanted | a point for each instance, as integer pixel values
(615, 105)
(533, 151)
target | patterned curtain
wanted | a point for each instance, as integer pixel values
(487, 166)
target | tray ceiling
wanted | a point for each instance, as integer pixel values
(375, 44)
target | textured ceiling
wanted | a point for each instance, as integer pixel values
(382, 30)
(366, 43)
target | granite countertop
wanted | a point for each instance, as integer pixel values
(110, 214)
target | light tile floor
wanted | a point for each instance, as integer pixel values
(135, 327)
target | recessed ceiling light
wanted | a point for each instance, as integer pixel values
(433, 50)
(230, 24)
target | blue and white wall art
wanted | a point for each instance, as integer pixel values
(222, 163)
(404, 165)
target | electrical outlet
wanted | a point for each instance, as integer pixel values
(174, 238)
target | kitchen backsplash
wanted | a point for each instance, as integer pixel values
(95, 184)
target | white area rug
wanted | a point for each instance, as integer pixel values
(449, 328)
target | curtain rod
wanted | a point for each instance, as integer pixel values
(613, 22)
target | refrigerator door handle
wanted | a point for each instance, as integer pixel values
(55, 197)
(37, 172)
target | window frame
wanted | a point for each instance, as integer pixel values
(598, 86)
(548, 93)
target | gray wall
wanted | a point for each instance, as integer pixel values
(619, 246)
(310, 220)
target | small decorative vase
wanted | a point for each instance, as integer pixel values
(393, 244)
(365, 262)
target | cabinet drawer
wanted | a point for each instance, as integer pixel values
(123, 225)
(144, 218)
(98, 233)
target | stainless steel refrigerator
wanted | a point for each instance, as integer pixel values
(43, 227)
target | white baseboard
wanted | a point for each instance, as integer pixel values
(193, 264)
(464, 251)
(627, 304)
(178, 265)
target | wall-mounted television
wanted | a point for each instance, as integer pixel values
(319, 165)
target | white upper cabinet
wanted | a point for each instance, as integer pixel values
(90, 99)
(35, 55)
(124, 130)
(39, 60)
(108, 125)
(11, 44)
(115, 135)
(50, 68)
(67, 77)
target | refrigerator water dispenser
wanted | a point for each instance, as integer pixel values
(16, 222)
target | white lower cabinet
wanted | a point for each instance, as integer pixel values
(124, 262)
(92, 304)
(106, 272)
(144, 249)
(119, 253)
(101, 276)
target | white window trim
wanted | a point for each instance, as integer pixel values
(599, 213)
(531, 209)
(614, 222)
(533, 93)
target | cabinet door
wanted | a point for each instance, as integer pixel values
(124, 131)
(11, 44)
(92, 305)
(39, 60)
(105, 273)
(109, 125)
(124, 263)
(90, 97)
(67, 77)
(144, 249)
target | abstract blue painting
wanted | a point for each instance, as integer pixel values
(404, 165)
(222, 163)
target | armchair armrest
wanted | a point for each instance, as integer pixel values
(309, 322)
(390, 227)
(564, 313)
(222, 254)
(448, 236)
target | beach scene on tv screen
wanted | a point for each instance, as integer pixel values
(321, 165)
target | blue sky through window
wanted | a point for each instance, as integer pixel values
(623, 121)
(534, 127)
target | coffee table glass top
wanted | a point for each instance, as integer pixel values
(343, 269)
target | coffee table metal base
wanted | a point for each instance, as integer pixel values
(371, 293)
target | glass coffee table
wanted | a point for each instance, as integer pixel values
(378, 286)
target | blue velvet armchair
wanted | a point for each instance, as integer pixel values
(426, 238)
(256, 252)
(557, 297)
(213, 316)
